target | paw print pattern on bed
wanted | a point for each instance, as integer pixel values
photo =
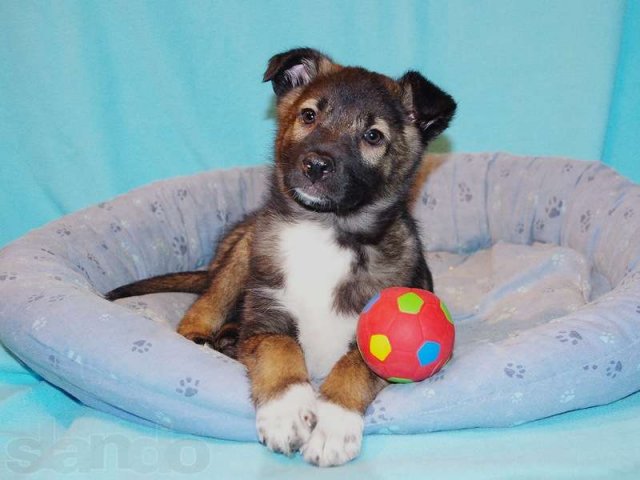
(508, 368)
(8, 276)
(141, 346)
(188, 387)
(377, 413)
(554, 207)
(516, 371)
(571, 338)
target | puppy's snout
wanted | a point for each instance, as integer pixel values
(316, 167)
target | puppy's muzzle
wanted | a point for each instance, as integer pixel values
(317, 167)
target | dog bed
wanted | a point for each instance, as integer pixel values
(537, 258)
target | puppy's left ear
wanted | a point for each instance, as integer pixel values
(296, 68)
(430, 108)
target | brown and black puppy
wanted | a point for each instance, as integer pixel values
(334, 230)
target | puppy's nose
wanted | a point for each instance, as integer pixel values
(316, 167)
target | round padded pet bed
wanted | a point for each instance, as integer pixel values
(537, 258)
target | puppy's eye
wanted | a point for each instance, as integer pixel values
(308, 116)
(373, 136)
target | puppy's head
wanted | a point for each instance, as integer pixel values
(348, 137)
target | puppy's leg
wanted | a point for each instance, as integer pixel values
(284, 399)
(229, 273)
(344, 396)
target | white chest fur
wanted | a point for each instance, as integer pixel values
(314, 264)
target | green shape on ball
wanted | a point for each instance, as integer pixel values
(399, 380)
(446, 312)
(410, 303)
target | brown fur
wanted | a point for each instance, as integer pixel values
(188, 282)
(274, 363)
(230, 269)
(351, 384)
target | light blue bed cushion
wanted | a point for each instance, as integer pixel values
(537, 258)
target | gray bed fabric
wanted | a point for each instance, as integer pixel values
(537, 258)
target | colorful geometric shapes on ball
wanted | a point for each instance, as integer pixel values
(380, 347)
(405, 334)
(444, 308)
(428, 353)
(399, 380)
(371, 303)
(410, 303)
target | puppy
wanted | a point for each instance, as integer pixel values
(285, 288)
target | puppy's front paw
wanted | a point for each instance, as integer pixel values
(337, 437)
(285, 423)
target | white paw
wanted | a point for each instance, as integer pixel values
(337, 437)
(284, 424)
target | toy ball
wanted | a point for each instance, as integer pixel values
(405, 334)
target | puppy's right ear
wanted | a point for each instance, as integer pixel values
(430, 108)
(296, 68)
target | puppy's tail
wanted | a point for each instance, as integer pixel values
(189, 282)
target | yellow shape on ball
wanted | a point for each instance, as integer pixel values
(380, 347)
(410, 303)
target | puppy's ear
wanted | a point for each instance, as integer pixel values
(296, 68)
(430, 108)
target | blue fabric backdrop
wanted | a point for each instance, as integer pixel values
(622, 144)
(99, 97)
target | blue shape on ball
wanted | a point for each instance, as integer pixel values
(428, 352)
(371, 302)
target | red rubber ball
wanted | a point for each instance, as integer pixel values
(405, 334)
